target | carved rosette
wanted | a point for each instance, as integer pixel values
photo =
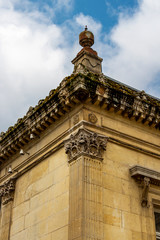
(87, 143)
(7, 191)
(76, 119)
(92, 118)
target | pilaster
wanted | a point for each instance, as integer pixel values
(7, 196)
(85, 151)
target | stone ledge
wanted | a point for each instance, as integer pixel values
(139, 173)
(145, 177)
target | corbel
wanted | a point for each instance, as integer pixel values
(145, 191)
(145, 177)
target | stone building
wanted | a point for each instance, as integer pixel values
(84, 163)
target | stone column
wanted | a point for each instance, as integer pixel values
(85, 151)
(6, 195)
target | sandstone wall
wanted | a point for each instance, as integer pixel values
(47, 193)
(40, 207)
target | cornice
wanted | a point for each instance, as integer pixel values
(97, 89)
(139, 173)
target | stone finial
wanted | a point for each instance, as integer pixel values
(87, 143)
(87, 59)
(86, 38)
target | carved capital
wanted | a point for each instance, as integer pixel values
(7, 191)
(87, 143)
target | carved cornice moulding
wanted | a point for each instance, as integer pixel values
(7, 191)
(139, 173)
(86, 143)
(97, 89)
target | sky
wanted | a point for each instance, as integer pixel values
(39, 38)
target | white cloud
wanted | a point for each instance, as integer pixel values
(33, 60)
(66, 4)
(135, 59)
(92, 24)
(35, 53)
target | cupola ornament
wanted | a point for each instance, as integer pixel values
(87, 59)
(86, 38)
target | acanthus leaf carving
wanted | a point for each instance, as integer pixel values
(85, 142)
(7, 191)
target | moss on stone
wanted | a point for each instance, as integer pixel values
(91, 82)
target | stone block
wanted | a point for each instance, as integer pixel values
(5, 231)
(22, 184)
(136, 205)
(6, 213)
(129, 128)
(20, 236)
(111, 182)
(115, 169)
(60, 234)
(39, 186)
(39, 199)
(113, 232)
(130, 188)
(146, 236)
(55, 161)
(112, 216)
(17, 226)
(116, 200)
(42, 228)
(60, 173)
(38, 171)
(131, 221)
(39, 214)
(123, 155)
(60, 203)
(46, 237)
(59, 188)
(58, 221)
(20, 211)
(136, 235)
(32, 232)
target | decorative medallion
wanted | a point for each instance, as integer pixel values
(75, 119)
(92, 118)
